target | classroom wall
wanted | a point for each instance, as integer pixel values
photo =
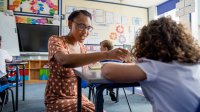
(121, 28)
(192, 21)
(103, 31)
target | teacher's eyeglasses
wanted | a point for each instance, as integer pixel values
(82, 26)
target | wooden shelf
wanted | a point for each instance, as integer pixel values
(34, 67)
(35, 81)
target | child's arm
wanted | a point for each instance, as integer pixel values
(123, 72)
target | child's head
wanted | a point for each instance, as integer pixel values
(106, 45)
(165, 40)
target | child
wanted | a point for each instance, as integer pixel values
(167, 67)
(107, 45)
(4, 57)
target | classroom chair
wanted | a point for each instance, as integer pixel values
(198, 108)
(91, 87)
(5, 88)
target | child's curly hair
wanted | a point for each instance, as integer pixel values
(165, 40)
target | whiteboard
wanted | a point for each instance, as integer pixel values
(9, 35)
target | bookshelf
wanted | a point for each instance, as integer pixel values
(34, 67)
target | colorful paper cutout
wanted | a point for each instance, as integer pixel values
(29, 20)
(120, 29)
(36, 6)
(122, 39)
(113, 36)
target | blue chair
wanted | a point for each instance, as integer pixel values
(84, 84)
(198, 108)
(5, 88)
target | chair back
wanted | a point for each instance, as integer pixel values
(4, 87)
(84, 84)
(198, 108)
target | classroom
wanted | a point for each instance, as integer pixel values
(99, 55)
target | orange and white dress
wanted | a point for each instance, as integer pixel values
(61, 88)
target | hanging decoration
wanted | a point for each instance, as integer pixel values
(120, 29)
(122, 39)
(29, 20)
(113, 36)
(14, 5)
(36, 6)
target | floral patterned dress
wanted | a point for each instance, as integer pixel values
(61, 89)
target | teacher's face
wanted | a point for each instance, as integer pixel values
(80, 27)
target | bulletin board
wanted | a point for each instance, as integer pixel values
(48, 7)
(118, 23)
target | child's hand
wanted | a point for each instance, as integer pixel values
(128, 59)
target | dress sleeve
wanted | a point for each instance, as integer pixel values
(55, 44)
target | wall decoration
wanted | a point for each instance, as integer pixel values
(81, 8)
(32, 20)
(109, 18)
(120, 29)
(113, 35)
(69, 9)
(136, 21)
(2, 7)
(34, 6)
(91, 11)
(124, 20)
(99, 16)
(122, 39)
(93, 48)
(118, 18)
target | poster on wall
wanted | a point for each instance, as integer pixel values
(99, 16)
(124, 20)
(93, 38)
(109, 18)
(33, 20)
(132, 34)
(118, 18)
(81, 8)
(69, 9)
(49, 7)
(65, 30)
(137, 21)
(2, 7)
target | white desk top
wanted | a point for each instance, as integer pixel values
(91, 76)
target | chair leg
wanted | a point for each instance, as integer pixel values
(127, 100)
(93, 94)
(13, 100)
(133, 90)
(3, 103)
(89, 94)
(106, 91)
(117, 95)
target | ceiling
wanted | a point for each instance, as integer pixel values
(140, 3)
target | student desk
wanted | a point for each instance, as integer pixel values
(95, 76)
(17, 64)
